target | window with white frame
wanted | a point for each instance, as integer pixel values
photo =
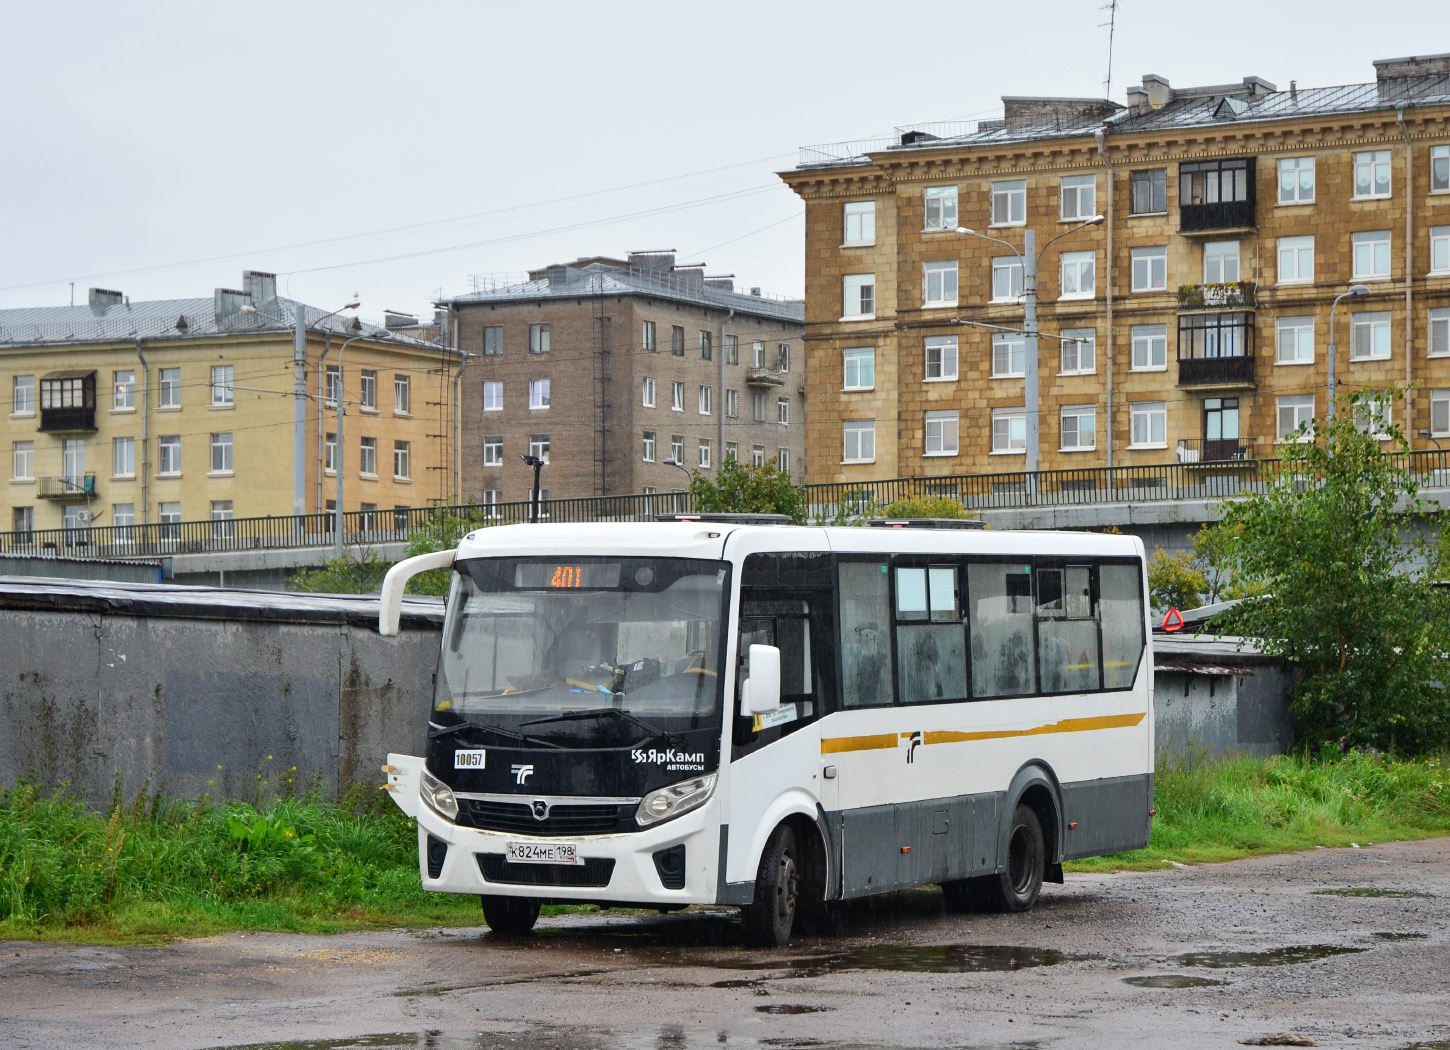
(757, 406)
(941, 357)
(1296, 260)
(647, 336)
(1439, 345)
(677, 397)
(221, 453)
(757, 353)
(649, 446)
(1079, 428)
(757, 455)
(1372, 174)
(859, 298)
(1009, 430)
(1150, 347)
(123, 457)
(368, 457)
(73, 460)
(23, 468)
(941, 433)
(124, 399)
(1440, 413)
(782, 411)
(677, 449)
(538, 393)
(169, 394)
(1372, 415)
(1148, 192)
(168, 455)
(732, 451)
(859, 367)
(369, 399)
(704, 401)
(223, 513)
(1294, 340)
(939, 283)
(332, 385)
(1009, 355)
(859, 437)
(539, 447)
(1440, 169)
(1077, 275)
(221, 385)
(493, 450)
(493, 340)
(1292, 412)
(1440, 249)
(1369, 336)
(732, 349)
(402, 460)
(1296, 180)
(22, 402)
(1149, 421)
(493, 396)
(1150, 269)
(169, 515)
(1079, 197)
(860, 221)
(1009, 203)
(538, 338)
(402, 395)
(782, 460)
(123, 515)
(782, 357)
(939, 203)
(732, 404)
(1371, 255)
(1079, 346)
(704, 454)
(329, 453)
(647, 394)
(1006, 279)
(1220, 262)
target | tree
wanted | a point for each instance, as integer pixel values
(364, 575)
(1333, 544)
(740, 489)
(1175, 581)
(346, 575)
(925, 507)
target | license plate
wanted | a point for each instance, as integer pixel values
(542, 853)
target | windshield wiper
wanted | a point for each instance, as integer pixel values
(598, 712)
(485, 727)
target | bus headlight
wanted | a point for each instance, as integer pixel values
(669, 802)
(438, 796)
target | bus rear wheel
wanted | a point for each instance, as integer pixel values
(770, 917)
(510, 916)
(1017, 887)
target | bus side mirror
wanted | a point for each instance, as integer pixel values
(760, 694)
(390, 601)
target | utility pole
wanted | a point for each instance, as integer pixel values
(1029, 333)
(299, 412)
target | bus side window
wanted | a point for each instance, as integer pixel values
(999, 608)
(865, 634)
(1067, 634)
(1121, 612)
(931, 645)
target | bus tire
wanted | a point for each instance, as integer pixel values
(1016, 888)
(769, 919)
(510, 916)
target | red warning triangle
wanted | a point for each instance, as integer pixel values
(1173, 620)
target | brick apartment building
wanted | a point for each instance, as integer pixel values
(1191, 325)
(609, 368)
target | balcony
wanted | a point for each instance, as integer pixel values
(1216, 350)
(67, 489)
(1216, 196)
(1211, 450)
(68, 402)
(1235, 295)
(763, 377)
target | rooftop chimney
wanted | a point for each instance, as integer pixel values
(102, 299)
(1157, 90)
(259, 285)
(228, 302)
(1412, 66)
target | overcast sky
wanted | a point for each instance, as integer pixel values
(396, 150)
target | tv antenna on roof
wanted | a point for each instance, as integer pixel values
(1112, 23)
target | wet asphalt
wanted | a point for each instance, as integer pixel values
(1344, 947)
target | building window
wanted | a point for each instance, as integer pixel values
(125, 392)
(1149, 192)
(368, 461)
(538, 393)
(860, 368)
(732, 349)
(649, 446)
(1372, 416)
(1440, 249)
(168, 457)
(940, 206)
(1006, 280)
(23, 401)
(170, 391)
(24, 461)
(1296, 260)
(1149, 424)
(493, 397)
(647, 395)
(782, 411)
(170, 517)
(1009, 430)
(782, 460)
(677, 340)
(1440, 332)
(677, 449)
(1440, 169)
(757, 455)
(1293, 411)
(1150, 269)
(677, 397)
(647, 336)
(704, 401)
(402, 465)
(493, 340)
(1221, 262)
(732, 451)
(1371, 255)
(402, 395)
(939, 283)
(1221, 422)
(221, 453)
(368, 515)
(123, 515)
(369, 399)
(1077, 275)
(1009, 203)
(1296, 180)
(1369, 336)
(782, 357)
(860, 441)
(757, 406)
(1440, 413)
(332, 385)
(539, 447)
(1009, 355)
(941, 357)
(1213, 182)
(73, 460)
(707, 345)
(23, 520)
(222, 514)
(1078, 351)
(860, 223)
(1078, 428)
(538, 338)
(1294, 340)
(704, 455)
(757, 353)
(859, 298)
(941, 434)
(329, 454)
(493, 451)
(732, 404)
(1079, 197)
(221, 385)
(1372, 174)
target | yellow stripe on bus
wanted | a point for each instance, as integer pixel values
(831, 745)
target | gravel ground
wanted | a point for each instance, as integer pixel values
(1186, 957)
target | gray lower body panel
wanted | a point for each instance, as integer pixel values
(1111, 815)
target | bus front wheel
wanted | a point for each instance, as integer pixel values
(510, 916)
(769, 918)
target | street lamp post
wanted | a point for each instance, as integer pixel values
(537, 462)
(339, 455)
(1029, 258)
(1355, 290)
(672, 462)
(299, 402)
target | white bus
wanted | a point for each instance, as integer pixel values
(712, 711)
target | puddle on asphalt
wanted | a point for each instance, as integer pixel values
(546, 1037)
(1171, 980)
(1299, 953)
(1401, 937)
(791, 1008)
(950, 958)
(1443, 1044)
(1372, 891)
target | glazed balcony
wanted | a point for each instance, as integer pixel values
(1216, 196)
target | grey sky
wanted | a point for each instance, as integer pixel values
(162, 148)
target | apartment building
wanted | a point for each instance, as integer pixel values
(1193, 323)
(131, 413)
(624, 375)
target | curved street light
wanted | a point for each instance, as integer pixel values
(1355, 291)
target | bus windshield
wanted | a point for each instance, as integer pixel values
(583, 651)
